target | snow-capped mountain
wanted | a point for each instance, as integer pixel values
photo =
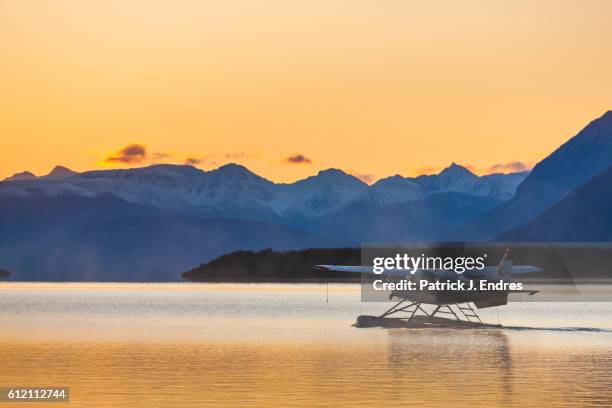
(233, 190)
(328, 191)
(60, 172)
(396, 189)
(453, 179)
(24, 175)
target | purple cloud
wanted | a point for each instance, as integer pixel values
(133, 153)
(298, 159)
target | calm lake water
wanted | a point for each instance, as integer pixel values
(188, 345)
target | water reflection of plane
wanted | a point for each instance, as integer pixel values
(470, 366)
(462, 314)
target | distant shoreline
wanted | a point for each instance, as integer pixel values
(581, 282)
(560, 264)
(187, 282)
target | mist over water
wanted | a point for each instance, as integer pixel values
(160, 345)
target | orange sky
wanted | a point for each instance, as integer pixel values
(372, 87)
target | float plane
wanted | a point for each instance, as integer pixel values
(485, 287)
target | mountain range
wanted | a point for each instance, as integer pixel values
(232, 190)
(157, 221)
(152, 223)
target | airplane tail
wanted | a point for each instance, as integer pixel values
(504, 270)
(500, 298)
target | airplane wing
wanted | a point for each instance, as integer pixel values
(517, 270)
(363, 269)
(419, 273)
(486, 272)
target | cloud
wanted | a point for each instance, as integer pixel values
(136, 153)
(212, 159)
(160, 156)
(133, 153)
(426, 170)
(234, 155)
(298, 159)
(510, 167)
(192, 161)
(471, 168)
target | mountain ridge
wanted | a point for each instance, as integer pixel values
(233, 189)
(584, 215)
(573, 163)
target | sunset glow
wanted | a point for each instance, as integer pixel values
(374, 88)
